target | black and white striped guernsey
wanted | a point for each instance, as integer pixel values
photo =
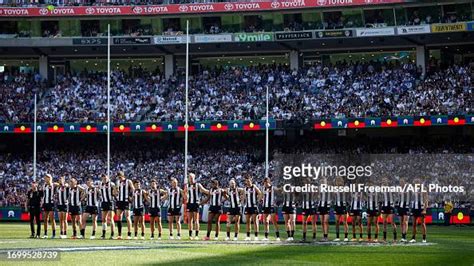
(356, 201)
(234, 197)
(92, 196)
(216, 197)
(138, 199)
(251, 197)
(155, 198)
(75, 197)
(63, 195)
(106, 191)
(269, 197)
(372, 201)
(325, 199)
(388, 199)
(174, 197)
(288, 200)
(48, 194)
(418, 202)
(340, 200)
(405, 199)
(193, 195)
(124, 190)
(307, 201)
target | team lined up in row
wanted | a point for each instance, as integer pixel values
(116, 199)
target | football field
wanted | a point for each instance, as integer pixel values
(446, 246)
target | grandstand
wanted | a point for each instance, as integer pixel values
(249, 87)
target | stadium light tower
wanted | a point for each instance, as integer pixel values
(108, 100)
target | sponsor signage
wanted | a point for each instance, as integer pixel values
(334, 34)
(170, 39)
(375, 32)
(295, 35)
(89, 41)
(183, 8)
(132, 40)
(452, 27)
(470, 26)
(413, 29)
(253, 37)
(211, 38)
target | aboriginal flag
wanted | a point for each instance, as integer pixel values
(153, 127)
(88, 128)
(55, 128)
(121, 127)
(322, 124)
(456, 120)
(389, 122)
(252, 125)
(422, 121)
(182, 126)
(219, 126)
(356, 123)
(22, 128)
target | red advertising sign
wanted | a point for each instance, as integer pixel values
(181, 8)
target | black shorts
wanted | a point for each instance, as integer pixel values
(373, 213)
(174, 211)
(138, 212)
(288, 210)
(74, 210)
(268, 210)
(123, 205)
(355, 213)
(215, 209)
(107, 206)
(48, 207)
(418, 213)
(323, 210)
(233, 211)
(251, 210)
(154, 212)
(311, 211)
(340, 210)
(62, 208)
(192, 207)
(91, 210)
(386, 210)
(403, 211)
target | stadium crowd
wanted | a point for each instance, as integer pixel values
(238, 93)
(446, 162)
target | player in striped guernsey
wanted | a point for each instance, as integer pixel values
(356, 214)
(48, 204)
(139, 196)
(75, 196)
(233, 214)
(289, 214)
(175, 199)
(308, 210)
(155, 196)
(269, 205)
(91, 197)
(124, 194)
(418, 208)
(340, 210)
(252, 196)
(388, 203)
(403, 211)
(62, 192)
(323, 210)
(193, 192)
(107, 192)
(372, 205)
(214, 197)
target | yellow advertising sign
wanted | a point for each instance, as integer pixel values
(452, 27)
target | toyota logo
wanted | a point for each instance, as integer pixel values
(183, 8)
(90, 10)
(137, 10)
(322, 2)
(275, 4)
(43, 11)
(229, 6)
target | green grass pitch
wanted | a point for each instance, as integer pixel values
(450, 246)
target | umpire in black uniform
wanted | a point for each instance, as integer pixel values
(33, 205)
